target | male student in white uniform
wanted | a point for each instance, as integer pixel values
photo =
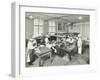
(32, 44)
(79, 44)
(46, 39)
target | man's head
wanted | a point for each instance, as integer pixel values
(79, 35)
(31, 39)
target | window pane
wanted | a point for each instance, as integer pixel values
(35, 30)
(50, 29)
(35, 21)
(53, 23)
(50, 23)
(40, 22)
(53, 29)
(41, 29)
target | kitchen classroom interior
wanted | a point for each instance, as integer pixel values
(54, 39)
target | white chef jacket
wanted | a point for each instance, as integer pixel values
(30, 44)
(79, 42)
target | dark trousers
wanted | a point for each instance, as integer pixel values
(32, 55)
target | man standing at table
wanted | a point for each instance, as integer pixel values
(30, 54)
(79, 44)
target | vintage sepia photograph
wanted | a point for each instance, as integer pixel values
(55, 39)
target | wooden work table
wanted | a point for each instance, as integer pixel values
(43, 51)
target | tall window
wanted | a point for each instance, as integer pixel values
(38, 27)
(52, 26)
(60, 27)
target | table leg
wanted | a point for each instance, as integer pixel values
(51, 58)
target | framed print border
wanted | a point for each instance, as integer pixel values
(18, 33)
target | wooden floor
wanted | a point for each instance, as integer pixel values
(78, 59)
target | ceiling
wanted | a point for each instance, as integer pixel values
(72, 18)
